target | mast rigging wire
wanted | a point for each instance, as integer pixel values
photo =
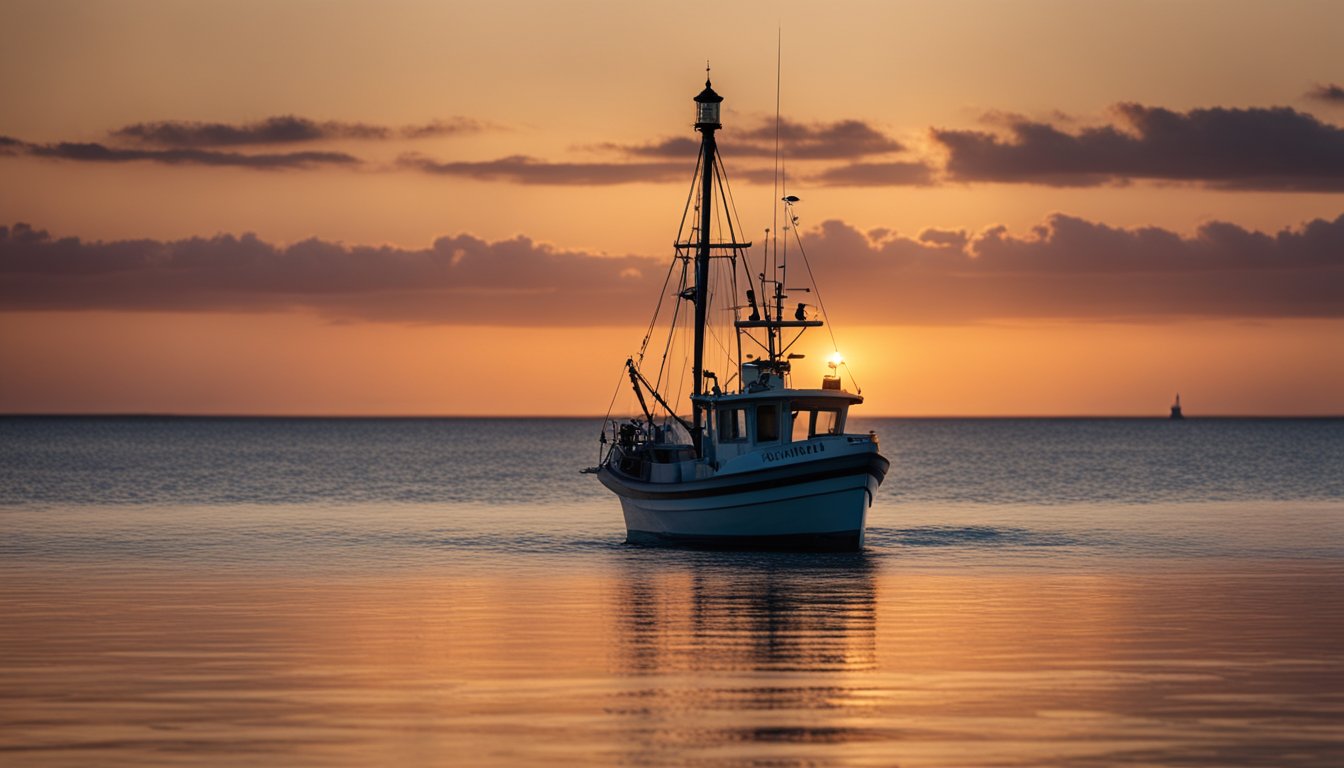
(681, 228)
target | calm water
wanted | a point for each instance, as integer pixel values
(453, 592)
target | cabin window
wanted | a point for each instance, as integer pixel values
(810, 423)
(732, 425)
(826, 423)
(801, 425)
(767, 423)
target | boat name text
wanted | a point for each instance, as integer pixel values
(797, 450)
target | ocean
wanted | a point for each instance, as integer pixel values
(423, 592)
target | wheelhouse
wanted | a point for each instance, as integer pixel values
(743, 423)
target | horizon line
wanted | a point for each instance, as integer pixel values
(573, 417)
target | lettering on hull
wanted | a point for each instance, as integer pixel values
(795, 451)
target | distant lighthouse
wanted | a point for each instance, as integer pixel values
(1176, 408)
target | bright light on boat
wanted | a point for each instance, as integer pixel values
(836, 359)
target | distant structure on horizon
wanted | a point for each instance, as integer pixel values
(1176, 408)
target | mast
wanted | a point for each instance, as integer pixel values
(706, 122)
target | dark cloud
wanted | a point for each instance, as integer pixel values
(1331, 93)
(1065, 268)
(752, 175)
(841, 140)
(673, 159)
(286, 129)
(458, 279)
(1268, 149)
(519, 169)
(822, 141)
(944, 237)
(99, 153)
(875, 175)
(675, 147)
(1070, 268)
(441, 128)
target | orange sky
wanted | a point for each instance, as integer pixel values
(1040, 208)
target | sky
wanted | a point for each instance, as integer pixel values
(452, 208)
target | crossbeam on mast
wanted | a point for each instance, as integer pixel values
(779, 323)
(723, 246)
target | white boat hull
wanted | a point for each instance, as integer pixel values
(810, 505)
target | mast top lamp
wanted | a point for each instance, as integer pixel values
(707, 108)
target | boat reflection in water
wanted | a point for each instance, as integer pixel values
(776, 612)
(761, 649)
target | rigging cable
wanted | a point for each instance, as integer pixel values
(726, 194)
(729, 215)
(680, 229)
(672, 325)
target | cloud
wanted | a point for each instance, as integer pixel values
(520, 169)
(285, 129)
(753, 175)
(841, 140)
(1070, 268)
(875, 175)
(450, 127)
(1065, 268)
(672, 159)
(99, 153)
(1269, 149)
(188, 143)
(1330, 93)
(675, 147)
(1259, 148)
(459, 279)
(941, 237)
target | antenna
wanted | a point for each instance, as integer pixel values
(774, 206)
(781, 262)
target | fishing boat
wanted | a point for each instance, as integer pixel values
(759, 461)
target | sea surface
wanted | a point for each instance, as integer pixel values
(423, 592)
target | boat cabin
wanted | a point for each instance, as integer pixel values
(769, 415)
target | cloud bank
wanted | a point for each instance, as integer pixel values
(285, 129)
(99, 153)
(1265, 149)
(1259, 148)
(840, 140)
(1065, 268)
(875, 175)
(520, 169)
(215, 144)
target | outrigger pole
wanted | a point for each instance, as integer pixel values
(637, 378)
